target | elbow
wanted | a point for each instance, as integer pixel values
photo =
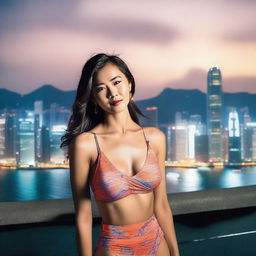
(83, 217)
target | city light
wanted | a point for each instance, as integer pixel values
(228, 138)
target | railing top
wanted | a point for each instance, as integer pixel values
(55, 210)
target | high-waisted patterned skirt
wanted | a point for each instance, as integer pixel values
(141, 238)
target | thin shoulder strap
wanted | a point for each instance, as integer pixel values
(147, 141)
(96, 141)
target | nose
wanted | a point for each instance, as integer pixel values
(112, 92)
(113, 96)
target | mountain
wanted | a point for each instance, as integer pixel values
(168, 101)
(47, 93)
(193, 101)
(9, 99)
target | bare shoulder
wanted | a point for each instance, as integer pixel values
(154, 134)
(82, 144)
(157, 139)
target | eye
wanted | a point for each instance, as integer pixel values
(117, 82)
(98, 89)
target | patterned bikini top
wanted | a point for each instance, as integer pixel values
(109, 183)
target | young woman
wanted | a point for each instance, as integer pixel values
(121, 162)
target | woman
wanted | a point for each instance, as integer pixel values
(122, 163)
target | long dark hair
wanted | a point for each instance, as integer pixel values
(83, 117)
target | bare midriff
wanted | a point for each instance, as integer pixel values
(131, 209)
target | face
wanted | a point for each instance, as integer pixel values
(111, 85)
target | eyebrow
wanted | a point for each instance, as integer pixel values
(109, 80)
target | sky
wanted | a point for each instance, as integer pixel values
(166, 43)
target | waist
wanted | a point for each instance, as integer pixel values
(128, 226)
(122, 212)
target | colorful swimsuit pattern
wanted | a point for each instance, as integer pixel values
(108, 184)
(135, 239)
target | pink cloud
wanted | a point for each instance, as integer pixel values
(197, 79)
(244, 36)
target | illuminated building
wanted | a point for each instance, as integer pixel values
(2, 137)
(38, 142)
(199, 140)
(234, 148)
(56, 153)
(246, 135)
(45, 142)
(215, 115)
(152, 114)
(249, 139)
(171, 146)
(38, 110)
(181, 138)
(181, 141)
(11, 133)
(26, 142)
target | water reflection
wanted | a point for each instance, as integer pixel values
(231, 178)
(192, 179)
(26, 184)
(189, 179)
(19, 185)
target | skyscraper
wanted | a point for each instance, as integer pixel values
(199, 139)
(152, 114)
(57, 155)
(246, 134)
(215, 115)
(26, 142)
(181, 138)
(234, 148)
(11, 141)
(2, 137)
(249, 142)
(38, 109)
(38, 144)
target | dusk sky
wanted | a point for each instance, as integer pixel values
(166, 43)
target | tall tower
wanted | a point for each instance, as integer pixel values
(2, 137)
(26, 142)
(11, 135)
(57, 155)
(181, 138)
(215, 115)
(38, 109)
(234, 148)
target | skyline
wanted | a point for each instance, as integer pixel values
(165, 45)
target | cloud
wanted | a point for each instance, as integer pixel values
(197, 79)
(39, 15)
(163, 40)
(240, 84)
(244, 36)
(132, 30)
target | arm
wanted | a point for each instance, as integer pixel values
(79, 162)
(162, 209)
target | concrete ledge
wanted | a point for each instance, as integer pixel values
(62, 210)
(213, 200)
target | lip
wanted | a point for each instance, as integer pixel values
(115, 103)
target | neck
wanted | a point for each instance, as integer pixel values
(118, 122)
